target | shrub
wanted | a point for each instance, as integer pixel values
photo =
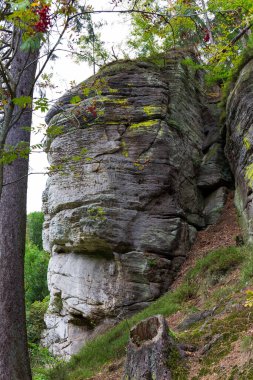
(35, 320)
(36, 263)
(41, 361)
(34, 228)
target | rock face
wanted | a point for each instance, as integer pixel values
(131, 148)
(239, 146)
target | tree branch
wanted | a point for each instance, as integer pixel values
(24, 176)
(232, 42)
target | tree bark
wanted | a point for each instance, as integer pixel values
(148, 351)
(14, 358)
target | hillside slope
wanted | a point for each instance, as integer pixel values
(205, 311)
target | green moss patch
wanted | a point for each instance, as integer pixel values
(229, 328)
(111, 99)
(246, 143)
(249, 174)
(151, 110)
(144, 124)
(177, 366)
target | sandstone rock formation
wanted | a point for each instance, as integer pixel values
(239, 146)
(137, 153)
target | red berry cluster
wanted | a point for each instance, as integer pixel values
(44, 19)
(206, 36)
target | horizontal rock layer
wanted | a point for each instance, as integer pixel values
(127, 193)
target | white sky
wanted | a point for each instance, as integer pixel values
(64, 71)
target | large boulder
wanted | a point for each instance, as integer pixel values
(122, 204)
(239, 146)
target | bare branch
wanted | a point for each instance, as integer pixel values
(24, 176)
(4, 72)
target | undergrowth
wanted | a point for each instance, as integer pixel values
(112, 345)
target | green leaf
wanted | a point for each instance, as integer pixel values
(31, 43)
(55, 130)
(76, 99)
(86, 91)
(19, 5)
(76, 158)
(22, 101)
(10, 152)
(41, 104)
(37, 146)
(83, 151)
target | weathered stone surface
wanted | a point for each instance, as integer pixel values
(239, 146)
(211, 119)
(214, 170)
(194, 318)
(121, 216)
(87, 290)
(214, 204)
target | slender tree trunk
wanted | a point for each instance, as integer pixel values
(14, 358)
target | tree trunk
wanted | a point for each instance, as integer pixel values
(14, 358)
(149, 350)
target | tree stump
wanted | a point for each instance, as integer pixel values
(149, 350)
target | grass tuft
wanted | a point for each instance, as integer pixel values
(218, 263)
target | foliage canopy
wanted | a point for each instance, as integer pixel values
(216, 31)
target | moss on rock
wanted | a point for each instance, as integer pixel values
(143, 124)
